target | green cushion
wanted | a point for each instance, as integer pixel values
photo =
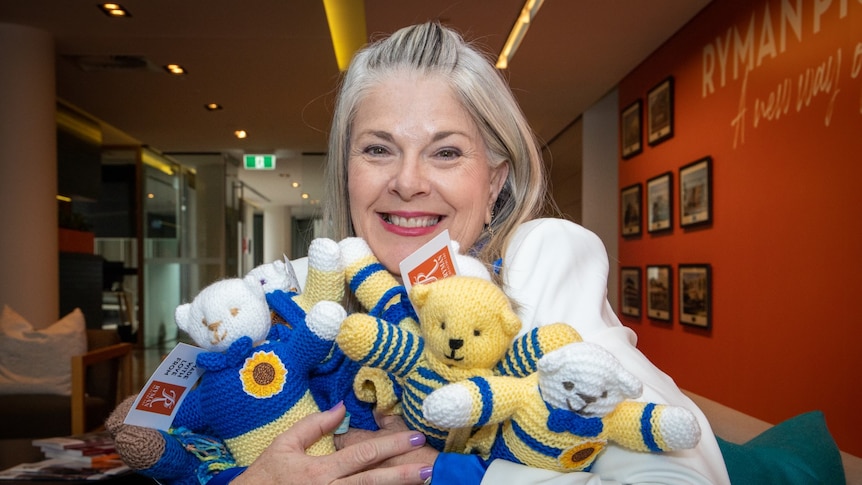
(797, 451)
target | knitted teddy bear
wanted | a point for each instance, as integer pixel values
(466, 329)
(256, 380)
(561, 417)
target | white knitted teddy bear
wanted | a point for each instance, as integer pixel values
(561, 417)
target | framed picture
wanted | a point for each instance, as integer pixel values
(660, 112)
(695, 294)
(659, 292)
(630, 130)
(630, 287)
(630, 210)
(660, 202)
(695, 193)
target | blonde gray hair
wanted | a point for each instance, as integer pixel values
(432, 49)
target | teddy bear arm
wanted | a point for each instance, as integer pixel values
(310, 344)
(380, 294)
(477, 401)
(523, 355)
(652, 427)
(379, 344)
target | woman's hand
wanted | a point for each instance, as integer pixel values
(285, 461)
(389, 424)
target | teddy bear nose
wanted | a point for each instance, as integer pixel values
(455, 343)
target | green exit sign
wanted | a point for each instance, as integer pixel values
(258, 162)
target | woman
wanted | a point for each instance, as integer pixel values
(427, 137)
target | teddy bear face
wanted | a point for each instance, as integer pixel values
(223, 312)
(586, 379)
(466, 322)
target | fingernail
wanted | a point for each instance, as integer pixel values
(425, 473)
(338, 406)
(417, 439)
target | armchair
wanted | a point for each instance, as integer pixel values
(100, 378)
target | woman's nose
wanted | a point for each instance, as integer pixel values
(410, 180)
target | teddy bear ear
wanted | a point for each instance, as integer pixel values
(419, 295)
(552, 361)
(511, 322)
(630, 385)
(181, 316)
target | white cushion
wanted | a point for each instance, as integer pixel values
(39, 361)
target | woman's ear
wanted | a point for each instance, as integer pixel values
(498, 179)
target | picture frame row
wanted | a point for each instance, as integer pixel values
(694, 204)
(694, 289)
(659, 119)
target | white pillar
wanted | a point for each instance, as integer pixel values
(276, 233)
(600, 174)
(29, 258)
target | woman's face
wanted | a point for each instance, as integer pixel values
(417, 166)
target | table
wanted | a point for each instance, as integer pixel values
(17, 451)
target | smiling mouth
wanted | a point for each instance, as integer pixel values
(452, 357)
(579, 410)
(410, 222)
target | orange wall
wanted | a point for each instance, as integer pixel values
(786, 236)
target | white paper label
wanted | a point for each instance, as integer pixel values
(157, 404)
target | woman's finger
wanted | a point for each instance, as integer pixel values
(362, 455)
(400, 475)
(311, 428)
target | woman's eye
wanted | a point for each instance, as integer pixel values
(376, 150)
(448, 153)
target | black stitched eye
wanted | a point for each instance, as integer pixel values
(442, 325)
(476, 333)
(568, 385)
(604, 394)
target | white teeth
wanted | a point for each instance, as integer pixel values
(412, 221)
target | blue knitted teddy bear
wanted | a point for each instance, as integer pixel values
(260, 371)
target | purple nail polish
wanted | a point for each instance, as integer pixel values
(417, 439)
(425, 473)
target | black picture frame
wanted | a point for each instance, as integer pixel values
(631, 134)
(660, 112)
(695, 193)
(631, 209)
(695, 295)
(659, 286)
(631, 294)
(659, 203)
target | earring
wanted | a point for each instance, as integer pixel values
(490, 226)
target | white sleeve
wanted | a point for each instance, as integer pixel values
(556, 271)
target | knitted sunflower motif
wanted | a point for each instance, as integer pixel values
(263, 375)
(578, 457)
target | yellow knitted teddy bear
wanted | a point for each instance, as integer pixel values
(467, 326)
(563, 416)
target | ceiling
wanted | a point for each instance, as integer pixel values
(271, 65)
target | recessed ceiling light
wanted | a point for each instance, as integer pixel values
(212, 106)
(304, 196)
(175, 69)
(240, 134)
(114, 10)
(295, 185)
